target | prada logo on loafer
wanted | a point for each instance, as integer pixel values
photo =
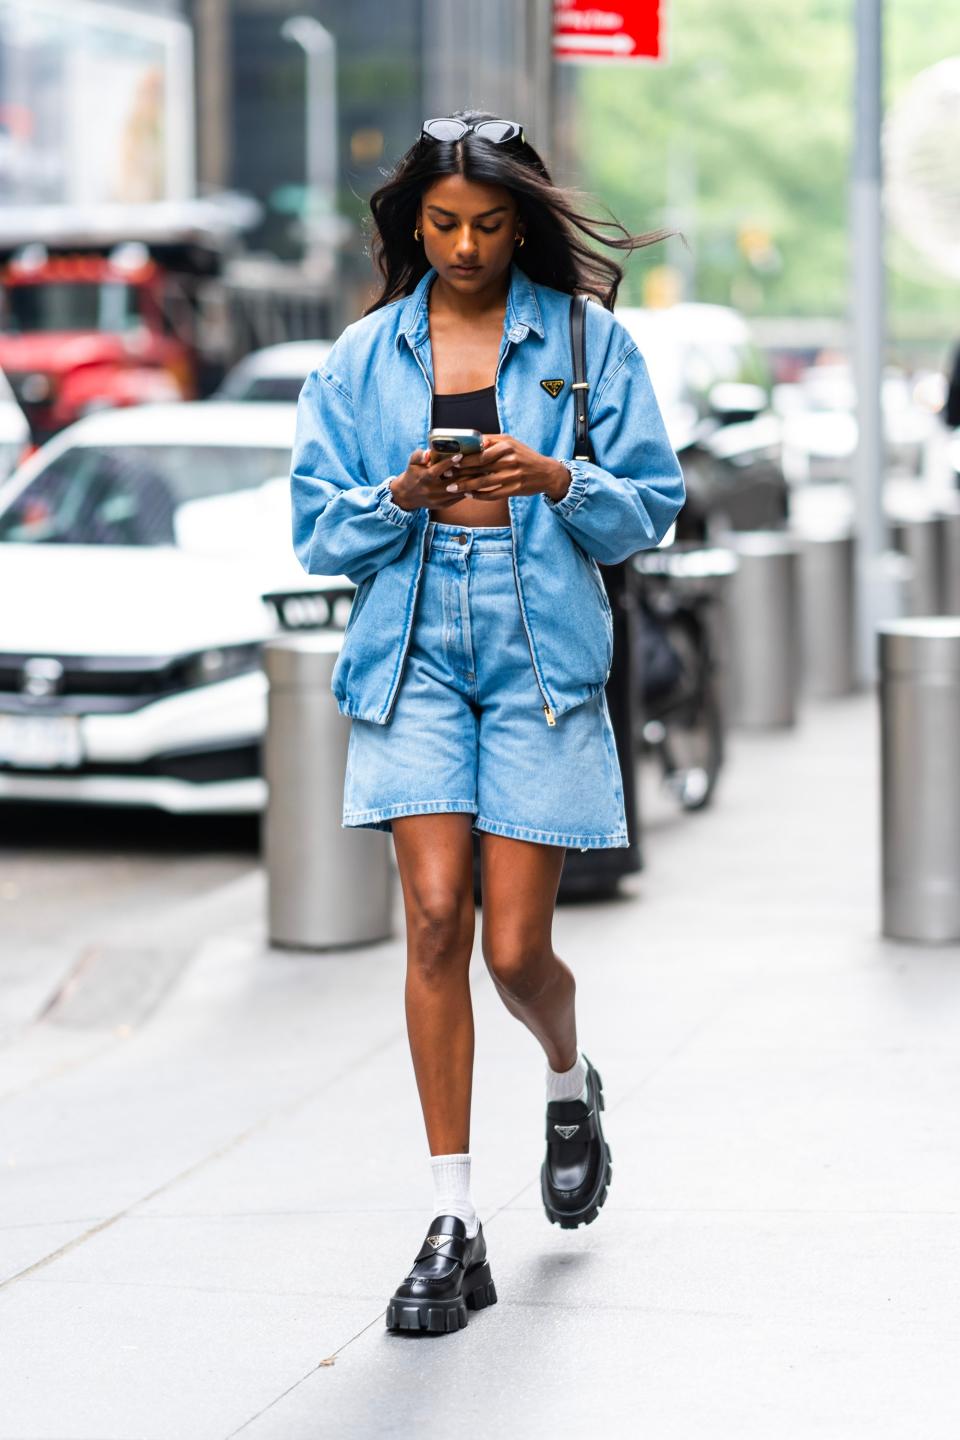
(566, 1131)
(436, 1240)
(552, 387)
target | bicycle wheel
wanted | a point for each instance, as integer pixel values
(687, 724)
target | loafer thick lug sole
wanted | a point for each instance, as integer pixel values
(576, 1173)
(441, 1316)
(449, 1276)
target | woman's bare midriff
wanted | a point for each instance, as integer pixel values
(474, 512)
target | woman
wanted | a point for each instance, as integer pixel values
(480, 638)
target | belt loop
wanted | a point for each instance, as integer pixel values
(431, 527)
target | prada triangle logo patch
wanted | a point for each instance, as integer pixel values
(552, 387)
(436, 1240)
(566, 1131)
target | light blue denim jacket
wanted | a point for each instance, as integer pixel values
(368, 407)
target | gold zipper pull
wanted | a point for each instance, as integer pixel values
(551, 718)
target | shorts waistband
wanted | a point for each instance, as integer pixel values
(463, 538)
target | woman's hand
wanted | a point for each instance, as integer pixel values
(423, 484)
(506, 466)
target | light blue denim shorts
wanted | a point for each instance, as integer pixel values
(467, 732)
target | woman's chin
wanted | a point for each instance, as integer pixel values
(471, 282)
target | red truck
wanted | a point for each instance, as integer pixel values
(94, 327)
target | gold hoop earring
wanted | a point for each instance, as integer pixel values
(417, 233)
(520, 240)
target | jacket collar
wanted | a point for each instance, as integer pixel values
(522, 313)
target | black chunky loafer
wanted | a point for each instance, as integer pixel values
(449, 1275)
(577, 1169)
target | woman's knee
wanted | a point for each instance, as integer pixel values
(523, 968)
(439, 934)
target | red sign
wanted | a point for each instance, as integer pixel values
(591, 30)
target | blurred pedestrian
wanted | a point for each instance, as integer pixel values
(480, 640)
(951, 409)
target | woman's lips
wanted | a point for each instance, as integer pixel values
(466, 269)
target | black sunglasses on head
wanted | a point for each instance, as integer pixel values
(498, 132)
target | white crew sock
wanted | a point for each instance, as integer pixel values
(568, 1084)
(451, 1189)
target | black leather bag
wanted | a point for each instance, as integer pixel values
(582, 448)
(655, 661)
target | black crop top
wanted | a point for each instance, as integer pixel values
(469, 410)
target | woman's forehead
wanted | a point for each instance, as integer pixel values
(467, 198)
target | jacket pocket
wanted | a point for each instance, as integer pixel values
(359, 600)
(597, 579)
(343, 659)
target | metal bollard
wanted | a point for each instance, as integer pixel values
(918, 537)
(328, 886)
(827, 613)
(948, 514)
(919, 692)
(764, 628)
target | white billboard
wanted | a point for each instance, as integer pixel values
(96, 105)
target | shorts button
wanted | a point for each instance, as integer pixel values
(462, 538)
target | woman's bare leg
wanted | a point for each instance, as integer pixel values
(435, 861)
(519, 882)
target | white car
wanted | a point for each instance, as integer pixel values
(136, 549)
(820, 424)
(275, 373)
(14, 429)
(711, 383)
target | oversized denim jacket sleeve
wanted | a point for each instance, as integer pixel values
(630, 501)
(344, 521)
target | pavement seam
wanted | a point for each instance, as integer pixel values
(327, 1362)
(332, 1357)
(182, 933)
(281, 1112)
(88, 1057)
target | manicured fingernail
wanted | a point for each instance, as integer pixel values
(454, 488)
(457, 459)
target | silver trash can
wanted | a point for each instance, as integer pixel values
(828, 640)
(328, 886)
(764, 628)
(919, 692)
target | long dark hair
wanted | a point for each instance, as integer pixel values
(556, 251)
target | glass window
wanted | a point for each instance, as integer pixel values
(71, 305)
(127, 495)
(263, 387)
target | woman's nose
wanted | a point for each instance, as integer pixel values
(466, 244)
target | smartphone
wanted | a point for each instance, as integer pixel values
(456, 442)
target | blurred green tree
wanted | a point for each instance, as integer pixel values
(742, 141)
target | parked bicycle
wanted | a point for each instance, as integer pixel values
(677, 667)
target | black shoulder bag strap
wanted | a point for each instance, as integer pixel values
(582, 448)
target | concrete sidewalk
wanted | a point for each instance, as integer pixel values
(204, 1211)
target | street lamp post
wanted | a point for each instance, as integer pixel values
(320, 50)
(877, 593)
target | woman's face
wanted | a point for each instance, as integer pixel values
(468, 231)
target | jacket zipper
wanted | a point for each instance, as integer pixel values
(549, 716)
(551, 719)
